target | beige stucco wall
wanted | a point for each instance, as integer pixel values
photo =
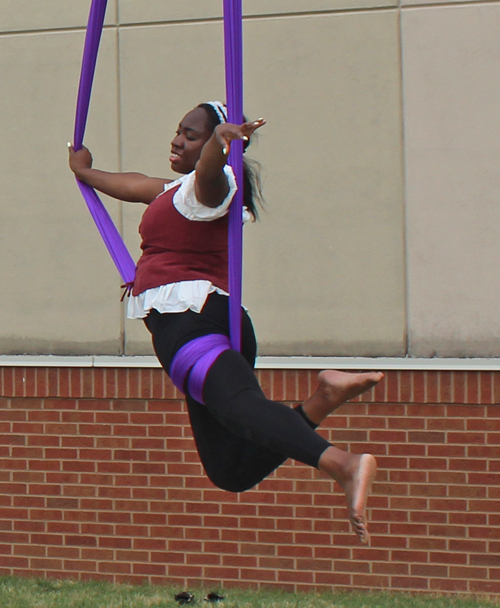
(452, 127)
(380, 210)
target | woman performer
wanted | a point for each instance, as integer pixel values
(180, 291)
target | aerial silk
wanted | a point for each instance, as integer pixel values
(233, 48)
(233, 51)
(110, 235)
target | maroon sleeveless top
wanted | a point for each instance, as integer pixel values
(176, 249)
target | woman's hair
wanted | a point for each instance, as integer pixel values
(252, 187)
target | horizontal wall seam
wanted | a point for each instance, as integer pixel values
(324, 13)
(51, 30)
(379, 363)
(291, 15)
(449, 4)
(138, 24)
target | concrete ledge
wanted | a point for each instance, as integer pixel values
(372, 363)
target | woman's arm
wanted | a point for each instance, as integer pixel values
(211, 185)
(131, 187)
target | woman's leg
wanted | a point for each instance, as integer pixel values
(233, 396)
(334, 389)
(231, 462)
(220, 446)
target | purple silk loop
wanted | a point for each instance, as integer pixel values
(194, 360)
(110, 234)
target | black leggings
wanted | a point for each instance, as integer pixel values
(241, 436)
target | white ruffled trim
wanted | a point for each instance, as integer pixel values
(174, 297)
(187, 204)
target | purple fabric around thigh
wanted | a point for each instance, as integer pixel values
(194, 359)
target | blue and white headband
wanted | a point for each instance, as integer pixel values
(220, 110)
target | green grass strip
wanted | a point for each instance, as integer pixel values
(51, 593)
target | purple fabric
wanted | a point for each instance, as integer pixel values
(233, 48)
(194, 359)
(112, 239)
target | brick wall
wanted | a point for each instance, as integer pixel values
(99, 479)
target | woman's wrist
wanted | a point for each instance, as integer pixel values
(82, 174)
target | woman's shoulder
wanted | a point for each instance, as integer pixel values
(189, 206)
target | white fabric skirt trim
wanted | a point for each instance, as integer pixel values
(174, 297)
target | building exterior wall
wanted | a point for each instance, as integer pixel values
(379, 157)
(99, 478)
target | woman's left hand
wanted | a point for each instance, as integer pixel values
(227, 132)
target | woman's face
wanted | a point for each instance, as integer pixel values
(192, 134)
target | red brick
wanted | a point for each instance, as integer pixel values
(249, 536)
(175, 519)
(483, 424)
(426, 411)
(449, 531)
(257, 549)
(410, 556)
(404, 477)
(446, 424)
(185, 546)
(427, 544)
(371, 581)
(406, 383)
(428, 463)
(428, 490)
(486, 586)
(80, 565)
(434, 517)
(166, 557)
(484, 559)
(114, 567)
(193, 571)
(9, 561)
(390, 568)
(46, 564)
(63, 552)
(428, 437)
(484, 478)
(293, 576)
(446, 557)
(483, 532)
(129, 530)
(430, 571)
(447, 477)
(467, 491)
(465, 411)
(410, 582)
(278, 393)
(348, 566)
(406, 450)
(408, 529)
(283, 563)
(472, 393)
(469, 573)
(239, 561)
(274, 537)
(379, 392)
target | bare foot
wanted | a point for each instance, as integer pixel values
(356, 493)
(335, 388)
(355, 474)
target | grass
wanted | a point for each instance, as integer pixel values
(46, 593)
